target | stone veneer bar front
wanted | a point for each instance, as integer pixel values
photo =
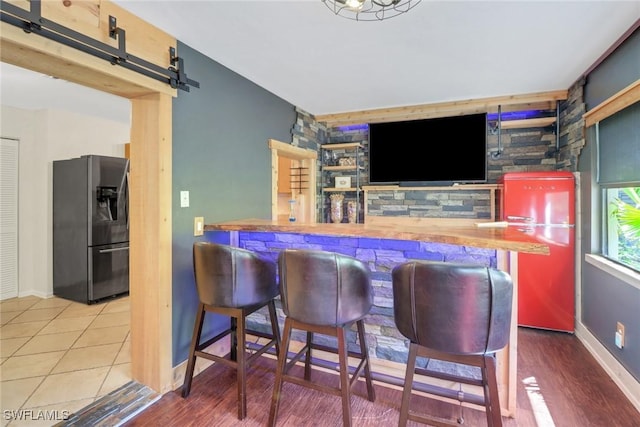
(381, 255)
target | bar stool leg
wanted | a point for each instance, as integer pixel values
(307, 359)
(275, 328)
(234, 339)
(344, 377)
(241, 357)
(364, 351)
(492, 400)
(195, 340)
(282, 362)
(408, 385)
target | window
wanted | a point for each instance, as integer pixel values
(621, 225)
(618, 145)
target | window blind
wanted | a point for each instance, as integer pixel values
(619, 147)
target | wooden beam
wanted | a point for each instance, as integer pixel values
(446, 109)
(291, 151)
(621, 100)
(34, 53)
(90, 18)
(543, 105)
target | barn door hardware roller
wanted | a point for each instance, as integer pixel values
(31, 21)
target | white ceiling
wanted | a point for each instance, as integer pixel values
(439, 51)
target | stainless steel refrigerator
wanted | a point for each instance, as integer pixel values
(90, 228)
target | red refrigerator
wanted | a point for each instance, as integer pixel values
(542, 204)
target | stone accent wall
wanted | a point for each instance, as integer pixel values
(468, 204)
(524, 150)
(572, 131)
(530, 149)
(307, 132)
(381, 255)
(359, 133)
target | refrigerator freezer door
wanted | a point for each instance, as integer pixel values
(108, 270)
(538, 198)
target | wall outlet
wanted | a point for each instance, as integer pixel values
(198, 226)
(619, 335)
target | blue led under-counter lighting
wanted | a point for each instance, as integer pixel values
(516, 115)
(349, 128)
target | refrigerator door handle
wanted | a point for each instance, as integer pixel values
(519, 218)
(104, 251)
(525, 230)
(126, 206)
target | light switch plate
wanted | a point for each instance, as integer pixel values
(184, 199)
(198, 226)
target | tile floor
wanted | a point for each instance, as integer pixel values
(58, 356)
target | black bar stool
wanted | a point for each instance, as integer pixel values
(455, 313)
(232, 282)
(325, 293)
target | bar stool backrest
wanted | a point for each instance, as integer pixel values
(324, 288)
(228, 276)
(453, 308)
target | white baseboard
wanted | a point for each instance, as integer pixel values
(38, 294)
(623, 379)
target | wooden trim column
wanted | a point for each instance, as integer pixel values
(507, 358)
(151, 240)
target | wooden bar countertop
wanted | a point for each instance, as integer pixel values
(506, 238)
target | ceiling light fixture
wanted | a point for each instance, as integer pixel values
(369, 10)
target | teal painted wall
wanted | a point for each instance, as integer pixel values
(605, 298)
(221, 156)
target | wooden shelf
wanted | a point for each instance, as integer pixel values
(342, 146)
(334, 189)
(539, 122)
(342, 168)
(348, 152)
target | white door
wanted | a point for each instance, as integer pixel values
(8, 218)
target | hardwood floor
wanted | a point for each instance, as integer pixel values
(559, 384)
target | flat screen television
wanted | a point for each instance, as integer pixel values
(439, 151)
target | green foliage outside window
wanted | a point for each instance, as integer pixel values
(625, 211)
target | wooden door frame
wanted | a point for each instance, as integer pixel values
(151, 188)
(304, 158)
